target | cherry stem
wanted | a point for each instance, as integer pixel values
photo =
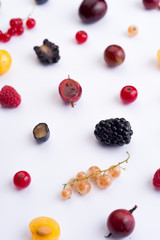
(110, 234)
(132, 210)
(96, 173)
(34, 5)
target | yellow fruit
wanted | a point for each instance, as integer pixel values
(44, 228)
(158, 56)
(5, 61)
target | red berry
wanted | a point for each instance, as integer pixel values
(5, 37)
(121, 223)
(0, 34)
(81, 37)
(114, 55)
(156, 179)
(9, 97)
(14, 22)
(20, 22)
(151, 4)
(128, 94)
(30, 23)
(12, 31)
(22, 179)
(70, 90)
(19, 31)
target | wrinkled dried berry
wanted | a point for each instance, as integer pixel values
(48, 53)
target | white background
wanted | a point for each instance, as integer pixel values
(72, 146)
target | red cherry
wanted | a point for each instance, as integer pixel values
(128, 94)
(12, 31)
(81, 37)
(70, 90)
(19, 31)
(5, 37)
(22, 179)
(30, 23)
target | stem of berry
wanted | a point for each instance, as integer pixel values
(97, 172)
(134, 208)
(33, 8)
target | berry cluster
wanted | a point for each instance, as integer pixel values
(103, 178)
(16, 28)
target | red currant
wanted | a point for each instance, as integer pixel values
(20, 22)
(12, 31)
(19, 31)
(81, 37)
(22, 179)
(0, 34)
(128, 94)
(30, 23)
(5, 37)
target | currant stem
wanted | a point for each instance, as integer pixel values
(134, 208)
(97, 172)
(34, 5)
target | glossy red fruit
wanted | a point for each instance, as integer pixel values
(16, 22)
(151, 4)
(81, 37)
(5, 37)
(22, 179)
(30, 23)
(0, 34)
(128, 94)
(70, 90)
(92, 10)
(121, 223)
(12, 31)
(114, 55)
(19, 31)
(156, 179)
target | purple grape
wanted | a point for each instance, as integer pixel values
(92, 10)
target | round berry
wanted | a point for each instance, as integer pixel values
(14, 22)
(19, 31)
(30, 23)
(128, 94)
(5, 61)
(81, 175)
(132, 31)
(83, 187)
(70, 91)
(93, 170)
(5, 37)
(114, 55)
(81, 37)
(114, 172)
(12, 31)
(156, 179)
(22, 179)
(0, 34)
(66, 193)
(151, 4)
(20, 22)
(104, 181)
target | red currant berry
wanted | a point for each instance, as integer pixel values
(20, 22)
(5, 37)
(81, 37)
(30, 23)
(128, 94)
(156, 179)
(22, 179)
(14, 22)
(19, 31)
(0, 34)
(12, 31)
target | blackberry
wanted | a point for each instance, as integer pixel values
(47, 53)
(113, 132)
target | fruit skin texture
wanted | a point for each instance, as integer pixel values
(22, 179)
(151, 4)
(9, 97)
(30, 23)
(156, 179)
(128, 94)
(5, 61)
(41, 132)
(92, 10)
(70, 90)
(44, 221)
(113, 132)
(120, 223)
(114, 55)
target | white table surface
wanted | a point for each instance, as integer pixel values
(72, 146)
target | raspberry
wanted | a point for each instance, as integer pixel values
(156, 179)
(9, 97)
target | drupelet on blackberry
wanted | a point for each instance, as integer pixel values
(47, 53)
(113, 132)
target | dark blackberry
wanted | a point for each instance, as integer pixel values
(113, 132)
(47, 53)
